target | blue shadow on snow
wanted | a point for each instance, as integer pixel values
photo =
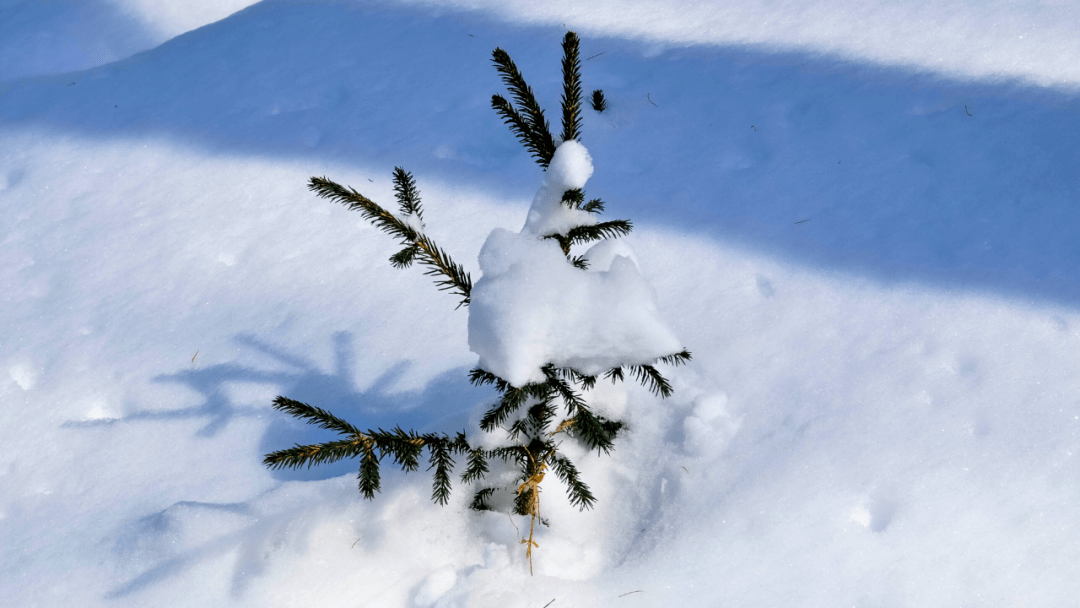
(885, 173)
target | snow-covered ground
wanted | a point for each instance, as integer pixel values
(866, 234)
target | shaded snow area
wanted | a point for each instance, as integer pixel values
(874, 268)
(1030, 40)
(53, 36)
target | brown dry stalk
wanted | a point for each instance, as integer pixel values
(532, 484)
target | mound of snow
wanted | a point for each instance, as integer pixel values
(531, 307)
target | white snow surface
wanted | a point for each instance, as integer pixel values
(570, 167)
(1029, 40)
(874, 270)
(531, 307)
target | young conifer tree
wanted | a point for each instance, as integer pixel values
(540, 403)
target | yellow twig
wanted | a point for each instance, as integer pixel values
(532, 484)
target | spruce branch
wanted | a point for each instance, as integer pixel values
(481, 377)
(516, 453)
(573, 198)
(404, 446)
(586, 381)
(675, 359)
(588, 233)
(571, 99)
(539, 417)
(452, 276)
(440, 460)
(455, 278)
(314, 415)
(526, 100)
(595, 432)
(603, 230)
(527, 497)
(573, 401)
(533, 142)
(311, 455)
(652, 379)
(461, 443)
(405, 257)
(534, 422)
(512, 399)
(594, 206)
(369, 481)
(649, 376)
(579, 493)
(534, 457)
(517, 428)
(476, 466)
(407, 195)
(564, 244)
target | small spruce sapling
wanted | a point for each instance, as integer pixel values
(539, 407)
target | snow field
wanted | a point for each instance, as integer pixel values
(899, 455)
(892, 422)
(871, 443)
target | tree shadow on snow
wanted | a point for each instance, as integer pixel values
(161, 539)
(152, 542)
(442, 405)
